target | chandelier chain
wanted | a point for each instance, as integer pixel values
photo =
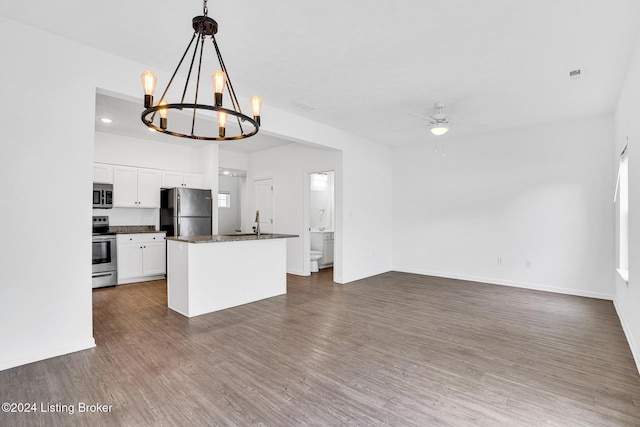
(193, 120)
(205, 9)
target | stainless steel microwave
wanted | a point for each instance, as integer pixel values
(102, 196)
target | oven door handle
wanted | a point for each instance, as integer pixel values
(102, 275)
(96, 239)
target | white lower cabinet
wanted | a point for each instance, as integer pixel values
(141, 257)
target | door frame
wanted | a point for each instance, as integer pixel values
(306, 245)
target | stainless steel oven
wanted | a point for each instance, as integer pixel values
(102, 196)
(103, 254)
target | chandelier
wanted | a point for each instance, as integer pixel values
(156, 116)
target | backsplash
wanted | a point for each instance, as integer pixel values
(131, 229)
(131, 216)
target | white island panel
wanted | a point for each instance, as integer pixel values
(206, 277)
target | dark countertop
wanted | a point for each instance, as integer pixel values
(230, 238)
(133, 229)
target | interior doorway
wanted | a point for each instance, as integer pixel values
(263, 191)
(321, 220)
(231, 203)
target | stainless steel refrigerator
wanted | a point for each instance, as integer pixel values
(185, 211)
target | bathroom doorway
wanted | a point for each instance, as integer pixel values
(231, 199)
(321, 204)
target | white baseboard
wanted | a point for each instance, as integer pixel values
(141, 279)
(39, 355)
(515, 284)
(363, 276)
(635, 351)
(297, 273)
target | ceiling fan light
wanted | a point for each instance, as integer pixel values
(439, 130)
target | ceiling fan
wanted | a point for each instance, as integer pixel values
(439, 122)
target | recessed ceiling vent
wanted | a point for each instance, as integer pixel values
(575, 74)
(303, 106)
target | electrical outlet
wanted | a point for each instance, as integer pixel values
(499, 260)
(528, 263)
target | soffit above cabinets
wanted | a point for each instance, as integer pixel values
(125, 121)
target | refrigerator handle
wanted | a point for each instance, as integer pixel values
(178, 204)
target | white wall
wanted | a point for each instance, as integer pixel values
(542, 194)
(289, 166)
(128, 151)
(45, 291)
(233, 160)
(627, 125)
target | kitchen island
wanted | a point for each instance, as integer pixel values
(211, 273)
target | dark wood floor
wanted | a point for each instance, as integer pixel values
(396, 349)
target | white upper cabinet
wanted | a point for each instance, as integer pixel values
(193, 180)
(103, 173)
(171, 179)
(125, 187)
(136, 187)
(149, 188)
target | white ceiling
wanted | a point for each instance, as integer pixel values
(368, 66)
(125, 116)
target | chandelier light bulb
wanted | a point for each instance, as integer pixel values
(148, 86)
(218, 77)
(439, 130)
(222, 122)
(256, 107)
(163, 114)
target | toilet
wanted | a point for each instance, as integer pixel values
(315, 256)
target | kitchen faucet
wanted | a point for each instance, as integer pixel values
(257, 227)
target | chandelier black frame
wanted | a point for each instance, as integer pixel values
(204, 27)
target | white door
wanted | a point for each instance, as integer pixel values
(263, 190)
